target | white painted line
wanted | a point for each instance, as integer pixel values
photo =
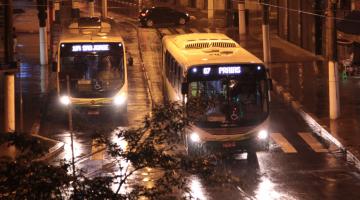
(312, 142)
(165, 31)
(181, 31)
(194, 30)
(282, 141)
(97, 153)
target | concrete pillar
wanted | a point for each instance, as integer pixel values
(334, 99)
(57, 12)
(104, 9)
(210, 9)
(242, 25)
(43, 46)
(9, 124)
(91, 8)
(75, 9)
(266, 43)
(266, 33)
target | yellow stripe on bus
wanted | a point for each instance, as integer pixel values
(312, 142)
(282, 141)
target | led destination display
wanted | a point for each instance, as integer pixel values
(213, 71)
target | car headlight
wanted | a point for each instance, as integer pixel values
(263, 134)
(194, 137)
(119, 99)
(65, 100)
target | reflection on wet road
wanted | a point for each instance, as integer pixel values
(298, 165)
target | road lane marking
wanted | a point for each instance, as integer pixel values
(194, 30)
(282, 141)
(165, 31)
(97, 151)
(181, 31)
(312, 142)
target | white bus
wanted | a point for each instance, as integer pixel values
(225, 89)
(91, 60)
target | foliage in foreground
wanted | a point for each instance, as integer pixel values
(153, 146)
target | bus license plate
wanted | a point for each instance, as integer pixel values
(229, 144)
(93, 112)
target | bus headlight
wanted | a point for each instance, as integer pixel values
(65, 100)
(263, 134)
(119, 99)
(194, 137)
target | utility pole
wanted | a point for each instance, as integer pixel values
(334, 95)
(9, 123)
(266, 32)
(42, 5)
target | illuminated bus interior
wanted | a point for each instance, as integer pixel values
(228, 95)
(96, 70)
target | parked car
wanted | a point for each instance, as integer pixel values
(162, 15)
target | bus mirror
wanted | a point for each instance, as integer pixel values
(184, 88)
(270, 84)
(130, 61)
(54, 66)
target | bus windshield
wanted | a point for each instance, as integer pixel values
(236, 100)
(95, 70)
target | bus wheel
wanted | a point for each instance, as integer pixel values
(182, 21)
(149, 23)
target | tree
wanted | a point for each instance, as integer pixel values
(155, 145)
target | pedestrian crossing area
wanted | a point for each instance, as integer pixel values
(301, 142)
(184, 30)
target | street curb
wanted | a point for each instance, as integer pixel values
(313, 122)
(54, 150)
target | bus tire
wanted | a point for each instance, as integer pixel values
(149, 23)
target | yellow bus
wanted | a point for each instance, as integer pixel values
(91, 67)
(224, 87)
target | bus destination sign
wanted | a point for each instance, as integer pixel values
(90, 47)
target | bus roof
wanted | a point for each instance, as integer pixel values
(103, 33)
(206, 48)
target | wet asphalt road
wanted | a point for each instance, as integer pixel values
(298, 165)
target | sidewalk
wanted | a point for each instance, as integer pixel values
(30, 79)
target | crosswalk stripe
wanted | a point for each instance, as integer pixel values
(165, 31)
(194, 30)
(99, 155)
(312, 142)
(207, 30)
(282, 141)
(179, 30)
